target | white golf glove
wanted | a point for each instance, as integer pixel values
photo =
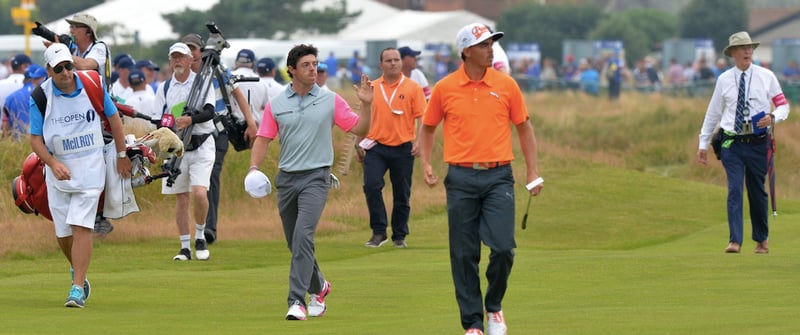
(334, 182)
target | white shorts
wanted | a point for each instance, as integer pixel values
(72, 209)
(195, 169)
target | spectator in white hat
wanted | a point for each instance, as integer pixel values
(191, 185)
(242, 111)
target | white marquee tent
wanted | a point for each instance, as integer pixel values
(142, 17)
(376, 22)
(381, 22)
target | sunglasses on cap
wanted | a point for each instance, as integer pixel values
(68, 66)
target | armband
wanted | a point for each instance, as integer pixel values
(779, 100)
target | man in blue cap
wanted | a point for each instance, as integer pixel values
(266, 70)
(255, 92)
(121, 88)
(150, 70)
(408, 58)
(19, 63)
(142, 100)
(16, 107)
(322, 76)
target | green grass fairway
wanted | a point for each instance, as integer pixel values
(607, 251)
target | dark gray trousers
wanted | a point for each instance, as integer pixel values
(214, 186)
(480, 208)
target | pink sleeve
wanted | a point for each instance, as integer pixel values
(343, 116)
(268, 127)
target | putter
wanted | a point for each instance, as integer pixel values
(525, 218)
(530, 186)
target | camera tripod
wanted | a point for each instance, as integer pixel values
(211, 69)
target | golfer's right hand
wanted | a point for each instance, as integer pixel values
(60, 171)
(430, 178)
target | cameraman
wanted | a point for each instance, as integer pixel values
(195, 44)
(88, 53)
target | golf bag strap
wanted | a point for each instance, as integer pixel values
(166, 88)
(94, 89)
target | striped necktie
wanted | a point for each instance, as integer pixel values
(740, 103)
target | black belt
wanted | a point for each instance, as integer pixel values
(750, 138)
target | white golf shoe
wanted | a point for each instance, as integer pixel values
(296, 312)
(316, 302)
(201, 250)
(496, 324)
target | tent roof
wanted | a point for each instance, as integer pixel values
(381, 22)
(433, 27)
(376, 22)
(143, 18)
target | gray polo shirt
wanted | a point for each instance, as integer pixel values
(304, 126)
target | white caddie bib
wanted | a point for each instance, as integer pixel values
(75, 143)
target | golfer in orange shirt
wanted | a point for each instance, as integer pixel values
(477, 103)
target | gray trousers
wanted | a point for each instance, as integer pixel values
(301, 199)
(480, 207)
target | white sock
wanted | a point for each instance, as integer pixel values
(200, 231)
(185, 242)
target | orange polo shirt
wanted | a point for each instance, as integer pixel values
(394, 125)
(477, 115)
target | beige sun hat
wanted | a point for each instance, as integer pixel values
(84, 19)
(739, 39)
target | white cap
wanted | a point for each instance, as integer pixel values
(257, 184)
(180, 48)
(57, 53)
(473, 34)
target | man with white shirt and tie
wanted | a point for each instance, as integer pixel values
(742, 106)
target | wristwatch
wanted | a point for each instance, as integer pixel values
(122, 154)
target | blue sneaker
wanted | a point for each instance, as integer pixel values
(75, 298)
(87, 287)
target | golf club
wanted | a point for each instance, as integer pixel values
(530, 186)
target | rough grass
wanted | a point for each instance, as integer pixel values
(646, 133)
(607, 250)
(627, 238)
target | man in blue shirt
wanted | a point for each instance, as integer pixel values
(614, 76)
(17, 106)
(67, 137)
(333, 64)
